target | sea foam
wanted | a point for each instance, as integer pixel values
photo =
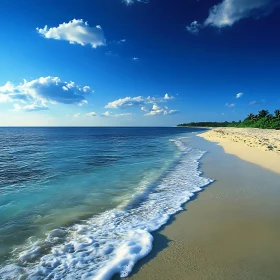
(113, 241)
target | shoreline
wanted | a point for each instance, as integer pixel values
(227, 231)
(258, 146)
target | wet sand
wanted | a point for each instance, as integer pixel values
(228, 231)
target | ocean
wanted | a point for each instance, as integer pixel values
(81, 203)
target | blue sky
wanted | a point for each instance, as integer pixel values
(126, 63)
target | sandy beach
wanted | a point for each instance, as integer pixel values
(228, 231)
(255, 145)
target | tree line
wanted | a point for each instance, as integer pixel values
(262, 120)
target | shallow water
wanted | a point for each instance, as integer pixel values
(80, 203)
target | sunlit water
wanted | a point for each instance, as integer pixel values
(80, 203)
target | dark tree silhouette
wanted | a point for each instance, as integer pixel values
(277, 113)
(251, 117)
(263, 114)
(270, 117)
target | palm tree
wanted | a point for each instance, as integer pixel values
(251, 117)
(263, 113)
(270, 117)
(277, 114)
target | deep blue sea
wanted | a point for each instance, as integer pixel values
(81, 203)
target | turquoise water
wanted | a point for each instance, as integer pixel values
(80, 203)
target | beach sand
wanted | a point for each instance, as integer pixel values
(259, 146)
(228, 231)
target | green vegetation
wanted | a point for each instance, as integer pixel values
(262, 120)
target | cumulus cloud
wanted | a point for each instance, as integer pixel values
(91, 114)
(125, 102)
(9, 93)
(168, 97)
(155, 107)
(137, 101)
(37, 93)
(75, 31)
(107, 114)
(144, 103)
(153, 99)
(157, 110)
(143, 108)
(228, 12)
(240, 94)
(135, 58)
(230, 105)
(194, 27)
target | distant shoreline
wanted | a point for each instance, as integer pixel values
(186, 126)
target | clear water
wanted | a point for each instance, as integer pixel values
(80, 203)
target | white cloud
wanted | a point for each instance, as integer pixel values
(125, 102)
(121, 41)
(228, 12)
(109, 114)
(240, 94)
(143, 108)
(106, 114)
(230, 105)
(155, 107)
(171, 112)
(143, 103)
(130, 2)
(4, 98)
(257, 102)
(151, 99)
(136, 101)
(8, 93)
(194, 27)
(135, 58)
(83, 102)
(36, 106)
(77, 115)
(75, 31)
(168, 97)
(157, 110)
(37, 93)
(91, 114)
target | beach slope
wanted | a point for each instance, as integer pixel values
(228, 231)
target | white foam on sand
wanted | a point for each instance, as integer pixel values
(113, 241)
